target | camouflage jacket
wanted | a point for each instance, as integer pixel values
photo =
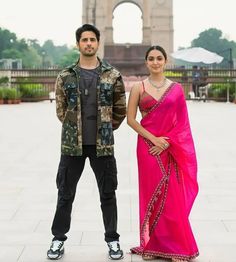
(111, 105)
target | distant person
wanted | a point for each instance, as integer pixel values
(195, 80)
(90, 103)
(202, 87)
(203, 76)
(167, 164)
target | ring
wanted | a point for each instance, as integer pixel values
(165, 145)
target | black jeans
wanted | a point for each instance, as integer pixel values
(69, 173)
(196, 90)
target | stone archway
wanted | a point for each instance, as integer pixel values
(157, 18)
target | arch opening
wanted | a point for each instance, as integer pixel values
(127, 24)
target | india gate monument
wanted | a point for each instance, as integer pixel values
(157, 29)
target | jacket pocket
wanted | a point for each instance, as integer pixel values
(106, 114)
(107, 137)
(72, 95)
(69, 134)
(106, 94)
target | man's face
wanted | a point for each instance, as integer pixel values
(88, 44)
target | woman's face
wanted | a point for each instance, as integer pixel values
(155, 61)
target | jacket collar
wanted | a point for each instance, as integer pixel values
(103, 64)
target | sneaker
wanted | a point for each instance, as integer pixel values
(115, 253)
(56, 250)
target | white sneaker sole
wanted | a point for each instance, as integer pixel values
(55, 257)
(116, 257)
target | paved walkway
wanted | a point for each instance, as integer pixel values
(29, 155)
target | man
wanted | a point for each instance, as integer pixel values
(195, 81)
(90, 103)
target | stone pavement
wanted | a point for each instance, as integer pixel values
(29, 155)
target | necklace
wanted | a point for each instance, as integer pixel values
(162, 84)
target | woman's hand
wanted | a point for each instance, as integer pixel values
(160, 144)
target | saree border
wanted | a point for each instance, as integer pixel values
(139, 251)
(159, 102)
(158, 193)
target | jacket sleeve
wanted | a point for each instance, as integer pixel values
(119, 103)
(61, 103)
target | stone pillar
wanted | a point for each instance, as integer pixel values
(162, 24)
(146, 23)
(157, 21)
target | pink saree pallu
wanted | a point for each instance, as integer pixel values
(168, 182)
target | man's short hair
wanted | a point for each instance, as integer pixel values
(87, 27)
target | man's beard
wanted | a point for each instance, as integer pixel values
(91, 53)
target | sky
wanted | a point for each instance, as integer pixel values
(57, 20)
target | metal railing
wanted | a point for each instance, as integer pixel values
(220, 84)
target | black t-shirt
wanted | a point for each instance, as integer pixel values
(88, 88)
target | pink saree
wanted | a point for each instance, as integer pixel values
(168, 182)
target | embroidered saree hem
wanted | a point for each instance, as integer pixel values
(140, 251)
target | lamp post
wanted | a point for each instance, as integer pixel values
(231, 65)
(43, 58)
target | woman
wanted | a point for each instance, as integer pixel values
(166, 163)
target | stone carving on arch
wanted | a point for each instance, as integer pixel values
(157, 17)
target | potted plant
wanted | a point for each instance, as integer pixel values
(33, 92)
(16, 96)
(11, 96)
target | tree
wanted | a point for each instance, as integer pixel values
(212, 40)
(35, 44)
(31, 58)
(7, 40)
(69, 58)
(11, 53)
(54, 53)
(30, 51)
